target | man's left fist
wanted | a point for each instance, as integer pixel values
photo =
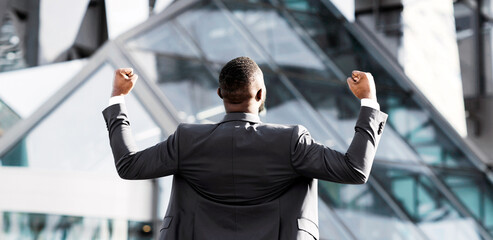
(362, 85)
(124, 81)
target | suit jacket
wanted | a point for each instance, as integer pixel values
(241, 178)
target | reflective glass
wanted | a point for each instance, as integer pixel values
(20, 90)
(474, 191)
(488, 208)
(330, 226)
(464, 27)
(326, 93)
(488, 58)
(365, 212)
(178, 71)
(302, 5)
(488, 51)
(164, 185)
(74, 136)
(488, 48)
(278, 38)
(43, 226)
(11, 53)
(188, 84)
(178, 77)
(165, 39)
(412, 123)
(140, 230)
(424, 202)
(7, 117)
(217, 37)
(284, 108)
(338, 106)
(17, 156)
(416, 126)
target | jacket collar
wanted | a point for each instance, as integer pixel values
(239, 116)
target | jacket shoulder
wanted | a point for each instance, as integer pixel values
(277, 126)
(288, 131)
(269, 127)
(195, 128)
(191, 126)
(291, 128)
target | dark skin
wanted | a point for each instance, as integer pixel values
(251, 106)
(257, 92)
(361, 84)
(124, 81)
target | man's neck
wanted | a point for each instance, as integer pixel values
(244, 108)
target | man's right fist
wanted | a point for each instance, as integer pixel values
(362, 85)
(124, 81)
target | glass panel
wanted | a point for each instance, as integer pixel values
(327, 94)
(488, 57)
(17, 156)
(418, 129)
(488, 208)
(338, 106)
(217, 37)
(165, 39)
(20, 90)
(302, 5)
(74, 136)
(329, 225)
(464, 27)
(365, 212)
(44, 226)
(178, 77)
(139, 230)
(188, 85)
(474, 191)
(413, 124)
(7, 117)
(278, 39)
(487, 49)
(11, 53)
(422, 200)
(284, 108)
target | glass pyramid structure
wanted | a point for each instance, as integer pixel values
(427, 183)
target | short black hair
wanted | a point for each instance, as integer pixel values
(235, 78)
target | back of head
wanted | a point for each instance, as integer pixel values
(235, 79)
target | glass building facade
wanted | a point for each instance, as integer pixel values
(426, 183)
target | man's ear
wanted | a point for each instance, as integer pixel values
(258, 96)
(219, 93)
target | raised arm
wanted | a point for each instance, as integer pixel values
(312, 159)
(157, 161)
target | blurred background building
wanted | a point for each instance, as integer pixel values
(432, 62)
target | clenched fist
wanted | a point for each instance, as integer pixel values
(362, 85)
(124, 81)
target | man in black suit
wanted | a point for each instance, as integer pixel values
(241, 178)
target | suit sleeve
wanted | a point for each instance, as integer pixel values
(314, 160)
(157, 161)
